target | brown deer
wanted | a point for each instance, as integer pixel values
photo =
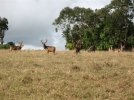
(14, 47)
(91, 48)
(48, 48)
(77, 46)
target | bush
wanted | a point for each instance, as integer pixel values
(4, 46)
(69, 46)
(11, 43)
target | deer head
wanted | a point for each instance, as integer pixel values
(20, 44)
(44, 44)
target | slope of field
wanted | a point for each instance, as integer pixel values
(36, 75)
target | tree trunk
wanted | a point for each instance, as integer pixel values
(1, 36)
(1, 40)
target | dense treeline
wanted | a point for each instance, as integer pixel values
(111, 26)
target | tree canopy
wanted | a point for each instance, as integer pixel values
(3, 27)
(111, 26)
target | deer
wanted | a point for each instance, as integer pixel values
(119, 49)
(77, 49)
(14, 47)
(48, 48)
(91, 48)
(78, 46)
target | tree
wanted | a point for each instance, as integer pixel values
(122, 16)
(111, 26)
(72, 23)
(3, 27)
(115, 23)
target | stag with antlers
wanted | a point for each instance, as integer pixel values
(14, 47)
(48, 48)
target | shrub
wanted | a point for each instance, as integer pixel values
(69, 46)
(11, 43)
(4, 46)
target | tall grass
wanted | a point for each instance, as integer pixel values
(36, 75)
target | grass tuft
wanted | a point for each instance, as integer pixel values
(75, 68)
(27, 80)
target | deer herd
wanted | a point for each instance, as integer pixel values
(20, 45)
(52, 49)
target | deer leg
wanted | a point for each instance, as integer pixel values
(48, 51)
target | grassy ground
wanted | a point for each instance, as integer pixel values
(36, 75)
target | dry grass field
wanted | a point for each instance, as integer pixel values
(36, 75)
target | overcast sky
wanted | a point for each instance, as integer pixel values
(31, 21)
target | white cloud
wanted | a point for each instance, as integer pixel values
(93, 4)
(31, 47)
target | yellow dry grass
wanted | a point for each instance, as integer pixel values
(36, 75)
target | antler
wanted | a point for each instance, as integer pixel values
(43, 42)
(46, 42)
(19, 43)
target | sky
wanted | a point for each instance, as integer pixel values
(31, 21)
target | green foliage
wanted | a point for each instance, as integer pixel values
(3, 27)
(3, 24)
(4, 46)
(110, 26)
(11, 43)
(131, 40)
(69, 46)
